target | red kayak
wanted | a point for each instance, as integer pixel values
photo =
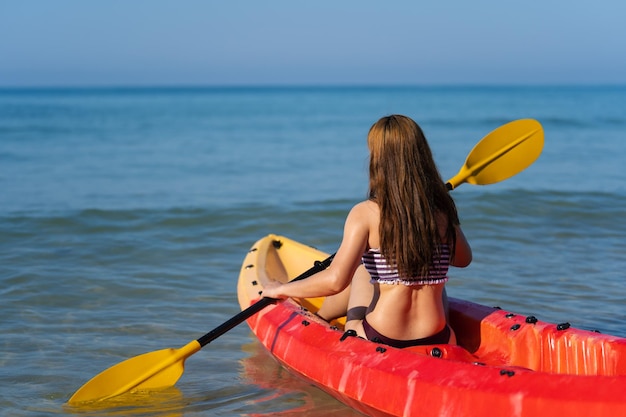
(504, 364)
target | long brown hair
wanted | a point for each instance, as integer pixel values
(407, 186)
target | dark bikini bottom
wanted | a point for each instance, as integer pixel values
(442, 337)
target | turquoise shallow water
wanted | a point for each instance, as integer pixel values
(125, 215)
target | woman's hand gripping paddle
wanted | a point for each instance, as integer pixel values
(501, 154)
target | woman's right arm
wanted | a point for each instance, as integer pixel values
(462, 250)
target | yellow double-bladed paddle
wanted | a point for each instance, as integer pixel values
(501, 154)
(504, 152)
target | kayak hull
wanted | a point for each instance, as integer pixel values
(505, 364)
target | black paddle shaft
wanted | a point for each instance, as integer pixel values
(258, 306)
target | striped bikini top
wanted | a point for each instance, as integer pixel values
(382, 273)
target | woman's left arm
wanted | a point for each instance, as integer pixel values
(338, 275)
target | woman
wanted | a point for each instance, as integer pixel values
(402, 240)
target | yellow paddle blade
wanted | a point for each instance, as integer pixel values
(152, 370)
(506, 151)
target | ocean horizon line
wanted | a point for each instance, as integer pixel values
(122, 87)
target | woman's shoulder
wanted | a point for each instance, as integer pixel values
(365, 214)
(366, 208)
(364, 219)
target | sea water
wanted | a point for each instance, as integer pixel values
(125, 215)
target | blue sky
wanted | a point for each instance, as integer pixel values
(231, 42)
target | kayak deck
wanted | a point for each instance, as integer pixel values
(505, 359)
